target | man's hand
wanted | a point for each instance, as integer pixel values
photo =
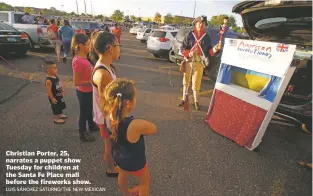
(218, 46)
(54, 101)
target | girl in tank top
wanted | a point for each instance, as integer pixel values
(106, 47)
(128, 145)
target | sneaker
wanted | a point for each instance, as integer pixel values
(197, 106)
(64, 60)
(86, 137)
(181, 103)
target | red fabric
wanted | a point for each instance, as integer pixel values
(186, 53)
(103, 132)
(85, 69)
(235, 119)
(211, 52)
(55, 29)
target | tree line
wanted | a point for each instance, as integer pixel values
(119, 16)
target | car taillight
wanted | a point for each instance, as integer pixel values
(39, 31)
(24, 36)
(163, 39)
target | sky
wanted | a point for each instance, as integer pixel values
(142, 8)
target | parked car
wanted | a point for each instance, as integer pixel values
(12, 41)
(176, 56)
(288, 22)
(160, 42)
(87, 26)
(168, 27)
(134, 30)
(36, 33)
(143, 34)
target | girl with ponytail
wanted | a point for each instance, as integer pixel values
(127, 136)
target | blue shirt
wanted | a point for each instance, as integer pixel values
(66, 33)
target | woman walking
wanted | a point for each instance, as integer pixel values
(82, 71)
(66, 33)
(53, 35)
(107, 48)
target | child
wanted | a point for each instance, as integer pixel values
(82, 72)
(127, 136)
(55, 92)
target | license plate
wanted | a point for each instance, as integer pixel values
(11, 39)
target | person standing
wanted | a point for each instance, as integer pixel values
(196, 48)
(54, 91)
(107, 48)
(117, 32)
(128, 144)
(66, 33)
(82, 71)
(53, 35)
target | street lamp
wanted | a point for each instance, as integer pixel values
(194, 9)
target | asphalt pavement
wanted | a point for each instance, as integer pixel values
(186, 158)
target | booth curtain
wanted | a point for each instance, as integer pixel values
(270, 90)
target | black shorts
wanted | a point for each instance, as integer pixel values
(59, 106)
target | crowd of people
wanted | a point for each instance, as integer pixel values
(106, 101)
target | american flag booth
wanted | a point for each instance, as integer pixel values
(252, 78)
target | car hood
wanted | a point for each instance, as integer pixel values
(281, 21)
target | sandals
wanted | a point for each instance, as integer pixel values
(304, 164)
(59, 121)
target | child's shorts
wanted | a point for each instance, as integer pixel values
(139, 172)
(59, 106)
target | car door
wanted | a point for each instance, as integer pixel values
(147, 33)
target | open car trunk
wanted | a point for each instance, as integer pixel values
(281, 21)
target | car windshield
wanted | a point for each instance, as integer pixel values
(142, 30)
(81, 25)
(159, 34)
(6, 27)
(94, 25)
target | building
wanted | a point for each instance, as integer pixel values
(176, 19)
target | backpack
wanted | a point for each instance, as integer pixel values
(51, 34)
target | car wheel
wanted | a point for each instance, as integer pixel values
(156, 56)
(143, 41)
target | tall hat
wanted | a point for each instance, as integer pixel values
(200, 18)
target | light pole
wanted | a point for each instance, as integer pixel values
(194, 9)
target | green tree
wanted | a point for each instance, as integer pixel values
(157, 17)
(29, 10)
(177, 20)
(187, 21)
(133, 18)
(117, 15)
(168, 18)
(138, 19)
(218, 20)
(5, 7)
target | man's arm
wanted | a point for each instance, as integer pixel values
(184, 47)
(212, 50)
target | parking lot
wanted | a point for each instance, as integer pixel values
(186, 158)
